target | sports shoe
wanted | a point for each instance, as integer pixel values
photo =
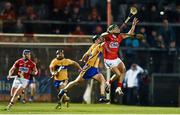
(67, 104)
(119, 91)
(58, 106)
(31, 99)
(107, 87)
(66, 100)
(8, 107)
(23, 101)
(19, 97)
(104, 100)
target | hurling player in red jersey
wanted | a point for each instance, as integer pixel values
(112, 39)
(25, 67)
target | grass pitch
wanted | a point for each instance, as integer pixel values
(49, 108)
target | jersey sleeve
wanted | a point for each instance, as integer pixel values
(53, 63)
(100, 47)
(69, 62)
(16, 64)
(33, 65)
(90, 49)
(120, 38)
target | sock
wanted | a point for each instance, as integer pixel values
(61, 92)
(32, 97)
(11, 103)
(110, 81)
(102, 96)
(119, 84)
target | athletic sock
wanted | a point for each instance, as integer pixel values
(110, 81)
(119, 84)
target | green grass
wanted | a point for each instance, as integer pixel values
(49, 108)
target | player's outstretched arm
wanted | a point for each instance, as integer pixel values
(87, 54)
(77, 65)
(52, 70)
(134, 23)
(35, 71)
(131, 31)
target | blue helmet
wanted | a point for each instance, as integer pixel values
(26, 51)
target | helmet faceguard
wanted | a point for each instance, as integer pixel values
(95, 37)
(60, 54)
(26, 53)
(114, 29)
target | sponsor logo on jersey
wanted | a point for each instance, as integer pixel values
(63, 67)
(24, 69)
(114, 45)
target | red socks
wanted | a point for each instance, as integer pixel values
(110, 81)
(119, 84)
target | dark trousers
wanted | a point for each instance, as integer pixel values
(132, 96)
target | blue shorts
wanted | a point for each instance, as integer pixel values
(89, 73)
(31, 80)
(57, 83)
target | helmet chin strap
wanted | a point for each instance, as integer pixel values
(25, 58)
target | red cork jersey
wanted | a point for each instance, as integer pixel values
(25, 67)
(111, 46)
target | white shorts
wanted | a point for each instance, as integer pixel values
(20, 82)
(112, 63)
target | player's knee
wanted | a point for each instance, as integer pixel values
(123, 70)
(118, 75)
(102, 80)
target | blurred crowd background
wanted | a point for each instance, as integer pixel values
(158, 52)
(159, 19)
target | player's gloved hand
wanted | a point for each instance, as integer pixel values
(54, 73)
(139, 36)
(135, 21)
(82, 60)
(21, 74)
(119, 91)
(80, 70)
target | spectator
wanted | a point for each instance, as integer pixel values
(65, 15)
(19, 27)
(98, 30)
(172, 54)
(143, 42)
(167, 33)
(144, 88)
(152, 39)
(122, 12)
(177, 13)
(154, 14)
(30, 15)
(143, 16)
(77, 31)
(94, 15)
(160, 42)
(76, 15)
(55, 14)
(8, 15)
(132, 83)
